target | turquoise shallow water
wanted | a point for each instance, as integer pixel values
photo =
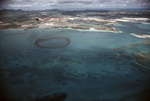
(82, 65)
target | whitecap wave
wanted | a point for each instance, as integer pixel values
(141, 36)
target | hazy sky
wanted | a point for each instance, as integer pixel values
(72, 4)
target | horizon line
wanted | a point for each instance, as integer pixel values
(79, 9)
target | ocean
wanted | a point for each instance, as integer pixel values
(75, 65)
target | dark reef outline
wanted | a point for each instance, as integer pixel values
(37, 42)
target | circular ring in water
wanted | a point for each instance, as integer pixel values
(52, 43)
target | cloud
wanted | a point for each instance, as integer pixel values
(75, 2)
(66, 4)
(20, 5)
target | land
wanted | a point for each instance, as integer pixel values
(103, 20)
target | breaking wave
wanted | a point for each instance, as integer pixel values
(141, 36)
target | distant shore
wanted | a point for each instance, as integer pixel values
(80, 20)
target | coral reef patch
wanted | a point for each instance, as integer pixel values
(75, 73)
(52, 43)
(144, 59)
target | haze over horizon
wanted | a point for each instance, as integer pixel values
(73, 4)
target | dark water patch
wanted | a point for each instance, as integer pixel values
(69, 61)
(29, 79)
(75, 73)
(138, 80)
(143, 69)
(3, 75)
(32, 81)
(58, 96)
(53, 43)
(49, 59)
(5, 94)
(144, 59)
(16, 81)
(140, 96)
(57, 75)
(19, 71)
(121, 68)
(48, 62)
(125, 56)
(127, 75)
(64, 83)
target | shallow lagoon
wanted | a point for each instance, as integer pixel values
(74, 65)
